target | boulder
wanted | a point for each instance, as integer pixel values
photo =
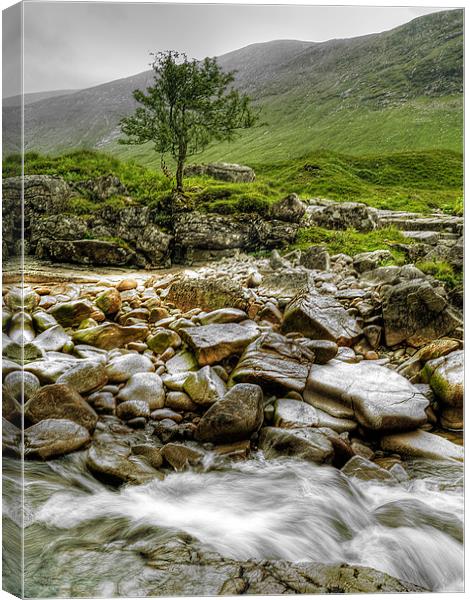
(320, 317)
(223, 171)
(85, 252)
(422, 444)
(222, 315)
(274, 362)
(54, 437)
(11, 408)
(445, 376)
(207, 294)
(212, 343)
(293, 414)
(58, 401)
(361, 468)
(415, 312)
(180, 402)
(290, 209)
(316, 258)
(367, 261)
(21, 299)
(236, 417)
(52, 339)
(180, 456)
(109, 301)
(21, 385)
(72, 313)
(345, 215)
(120, 368)
(110, 335)
(163, 339)
(111, 462)
(132, 409)
(302, 443)
(145, 387)
(85, 377)
(204, 387)
(378, 398)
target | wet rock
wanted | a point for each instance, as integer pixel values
(47, 371)
(445, 376)
(378, 398)
(223, 315)
(144, 387)
(166, 413)
(290, 209)
(304, 444)
(132, 409)
(111, 462)
(163, 339)
(24, 298)
(109, 302)
(52, 339)
(21, 385)
(324, 350)
(414, 312)
(110, 335)
(320, 317)
(294, 414)
(11, 439)
(236, 417)
(72, 313)
(54, 437)
(120, 368)
(212, 343)
(180, 401)
(19, 352)
(152, 454)
(85, 377)
(58, 401)
(180, 456)
(365, 469)
(204, 387)
(127, 284)
(422, 444)
(181, 363)
(11, 408)
(104, 403)
(21, 328)
(274, 362)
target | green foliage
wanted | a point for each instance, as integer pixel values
(188, 106)
(351, 242)
(442, 271)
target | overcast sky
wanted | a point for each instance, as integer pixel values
(78, 45)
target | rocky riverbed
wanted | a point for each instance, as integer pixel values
(277, 425)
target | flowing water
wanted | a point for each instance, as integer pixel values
(84, 538)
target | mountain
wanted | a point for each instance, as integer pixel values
(397, 90)
(34, 97)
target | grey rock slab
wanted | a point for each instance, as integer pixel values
(379, 398)
(305, 444)
(361, 468)
(320, 317)
(274, 362)
(212, 343)
(294, 413)
(422, 444)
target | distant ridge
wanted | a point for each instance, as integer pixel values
(397, 90)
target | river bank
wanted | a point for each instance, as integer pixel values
(245, 426)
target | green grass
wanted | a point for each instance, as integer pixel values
(351, 242)
(418, 181)
(442, 271)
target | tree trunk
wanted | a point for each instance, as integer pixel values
(179, 175)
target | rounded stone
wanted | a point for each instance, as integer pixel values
(121, 368)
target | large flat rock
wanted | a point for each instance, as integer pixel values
(320, 317)
(378, 398)
(212, 343)
(422, 444)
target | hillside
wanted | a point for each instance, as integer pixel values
(393, 91)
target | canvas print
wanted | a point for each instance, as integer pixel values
(232, 300)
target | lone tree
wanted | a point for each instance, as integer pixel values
(189, 105)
